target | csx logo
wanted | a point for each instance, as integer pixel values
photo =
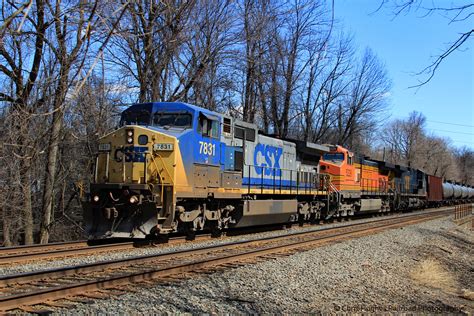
(267, 157)
(131, 153)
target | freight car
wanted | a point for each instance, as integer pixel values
(454, 193)
(435, 191)
(176, 167)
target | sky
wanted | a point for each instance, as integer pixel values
(408, 43)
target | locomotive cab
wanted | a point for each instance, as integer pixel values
(339, 164)
(161, 153)
(137, 168)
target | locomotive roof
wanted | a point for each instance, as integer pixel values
(155, 106)
(310, 148)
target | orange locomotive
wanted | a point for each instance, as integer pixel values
(361, 185)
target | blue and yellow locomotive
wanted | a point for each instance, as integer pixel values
(173, 167)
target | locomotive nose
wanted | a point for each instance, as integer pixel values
(135, 179)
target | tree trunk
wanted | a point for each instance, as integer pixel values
(25, 174)
(50, 175)
(7, 242)
(53, 148)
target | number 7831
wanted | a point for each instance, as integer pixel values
(207, 148)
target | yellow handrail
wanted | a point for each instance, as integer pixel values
(164, 165)
(159, 174)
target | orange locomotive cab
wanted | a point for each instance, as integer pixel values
(349, 173)
(339, 165)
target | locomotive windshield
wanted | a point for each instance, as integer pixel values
(142, 114)
(141, 117)
(183, 119)
(337, 157)
(139, 114)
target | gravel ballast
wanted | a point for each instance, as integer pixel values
(423, 268)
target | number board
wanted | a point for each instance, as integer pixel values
(163, 147)
(104, 147)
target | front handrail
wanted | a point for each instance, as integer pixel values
(159, 174)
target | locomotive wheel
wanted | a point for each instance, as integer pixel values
(216, 232)
(313, 220)
(300, 220)
(190, 235)
(156, 238)
(161, 239)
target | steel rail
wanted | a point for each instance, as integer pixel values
(64, 252)
(45, 253)
(13, 301)
(4, 251)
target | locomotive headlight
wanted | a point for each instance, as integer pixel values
(133, 199)
(129, 136)
(96, 198)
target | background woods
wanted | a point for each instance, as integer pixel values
(68, 68)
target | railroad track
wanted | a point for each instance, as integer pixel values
(102, 279)
(19, 250)
(54, 251)
(51, 251)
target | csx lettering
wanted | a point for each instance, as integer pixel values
(131, 154)
(267, 157)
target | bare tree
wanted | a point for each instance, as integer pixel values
(43, 52)
(435, 156)
(452, 12)
(326, 85)
(402, 137)
(150, 36)
(407, 142)
(465, 162)
(257, 16)
(366, 99)
(69, 47)
(21, 51)
(303, 18)
(197, 67)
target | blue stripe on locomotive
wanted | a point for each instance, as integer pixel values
(270, 184)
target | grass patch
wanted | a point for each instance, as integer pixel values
(431, 273)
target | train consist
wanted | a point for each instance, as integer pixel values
(176, 167)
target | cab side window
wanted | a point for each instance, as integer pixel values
(208, 127)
